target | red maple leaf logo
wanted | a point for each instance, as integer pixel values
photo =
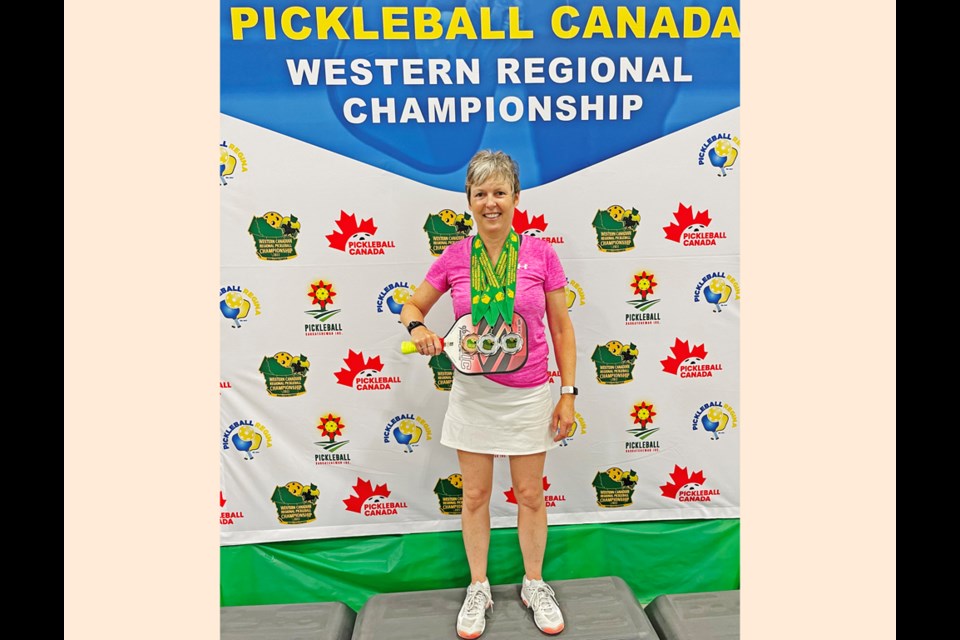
(348, 227)
(522, 223)
(685, 218)
(680, 478)
(363, 491)
(223, 500)
(682, 351)
(643, 414)
(512, 497)
(355, 364)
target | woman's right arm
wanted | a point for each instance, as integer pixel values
(417, 308)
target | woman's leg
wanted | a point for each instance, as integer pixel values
(526, 472)
(477, 472)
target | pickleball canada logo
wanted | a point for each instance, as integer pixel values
(687, 362)
(687, 487)
(614, 361)
(642, 414)
(357, 239)
(275, 235)
(642, 285)
(716, 290)
(692, 230)
(533, 226)
(321, 294)
(393, 296)
(331, 427)
(364, 374)
(228, 517)
(616, 228)
(408, 431)
(232, 162)
(615, 487)
(296, 502)
(449, 492)
(285, 374)
(549, 499)
(236, 305)
(720, 151)
(715, 418)
(373, 501)
(247, 437)
(445, 227)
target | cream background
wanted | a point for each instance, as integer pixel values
(141, 260)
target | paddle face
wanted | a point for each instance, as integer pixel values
(478, 349)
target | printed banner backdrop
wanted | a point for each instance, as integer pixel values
(345, 134)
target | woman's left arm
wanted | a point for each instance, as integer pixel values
(565, 353)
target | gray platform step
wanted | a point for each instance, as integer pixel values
(307, 621)
(593, 609)
(709, 615)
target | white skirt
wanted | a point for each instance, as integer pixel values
(487, 417)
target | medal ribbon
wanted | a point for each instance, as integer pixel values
(493, 288)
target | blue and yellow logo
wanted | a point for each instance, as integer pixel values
(717, 289)
(715, 418)
(236, 303)
(408, 431)
(720, 151)
(230, 159)
(393, 296)
(247, 437)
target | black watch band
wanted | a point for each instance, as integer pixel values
(413, 325)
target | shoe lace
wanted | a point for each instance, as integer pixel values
(476, 601)
(543, 598)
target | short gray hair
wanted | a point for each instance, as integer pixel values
(487, 164)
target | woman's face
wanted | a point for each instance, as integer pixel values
(492, 203)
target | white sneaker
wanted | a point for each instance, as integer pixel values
(541, 599)
(472, 618)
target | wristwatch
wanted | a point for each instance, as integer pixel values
(413, 325)
(569, 390)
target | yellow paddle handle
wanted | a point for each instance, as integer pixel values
(408, 347)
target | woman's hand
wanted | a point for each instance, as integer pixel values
(416, 308)
(428, 343)
(563, 413)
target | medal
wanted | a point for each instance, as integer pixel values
(493, 288)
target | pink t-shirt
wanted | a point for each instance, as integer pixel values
(538, 271)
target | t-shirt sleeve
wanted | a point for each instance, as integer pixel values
(554, 277)
(438, 273)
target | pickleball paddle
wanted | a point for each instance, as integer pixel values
(482, 348)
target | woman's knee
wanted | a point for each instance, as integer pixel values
(476, 497)
(529, 495)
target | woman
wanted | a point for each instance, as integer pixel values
(494, 276)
